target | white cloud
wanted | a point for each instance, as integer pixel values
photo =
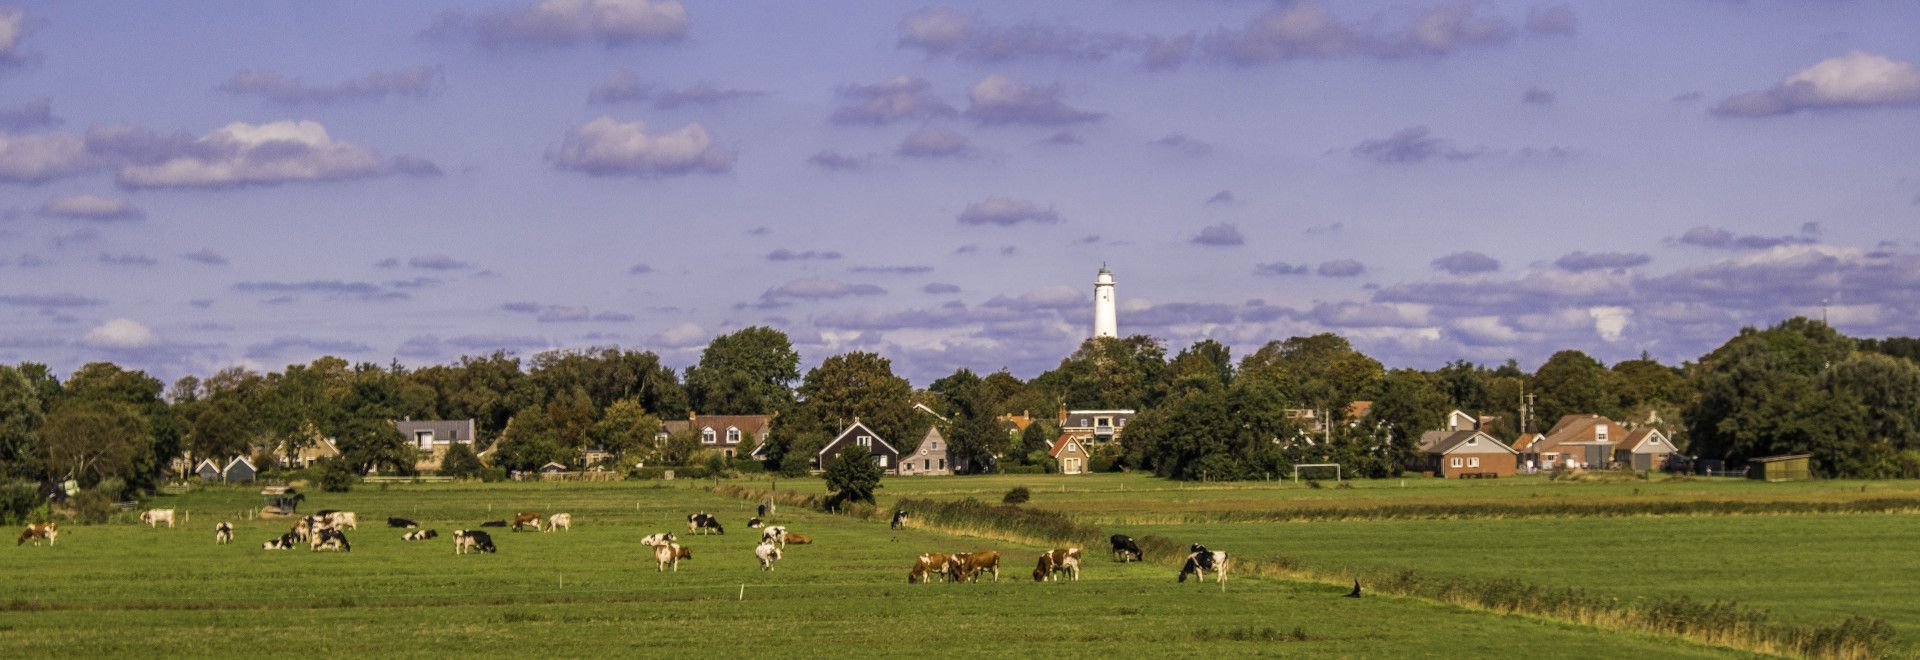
(13, 26)
(40, 158)
(119, 333)
(1006, 212)
(607, 146)
(1856, 80)
(569, 22)
(997, 99)
(240, 154)
(1610, 321)
(91, 207)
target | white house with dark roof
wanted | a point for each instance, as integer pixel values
(434, 436)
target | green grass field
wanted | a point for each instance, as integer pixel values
(125, 589)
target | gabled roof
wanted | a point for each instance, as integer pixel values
(933, 435)
(444, 430)
(1640, 435)
(241, 460)
(849, 432)
(1525, 441)
(1458, 439)
(1061, 444)
(206, 462)
(753, 425)
(1575, 428)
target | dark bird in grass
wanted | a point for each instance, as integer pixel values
(1356, 590)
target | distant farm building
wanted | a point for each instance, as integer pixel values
(930, 458)
(1792, 467)
(434, 437)
(1071, 454)
(731, 435)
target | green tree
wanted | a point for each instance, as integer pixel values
(1757, 394)
(1571, 383)
(96, 439)
(461, 463)
(1323, 371)
(1410, 404)
(21, 413)
(627, 431)
(1873, 415)
(1108, 372)
(748, 372)
(853, 386)
(852, 476)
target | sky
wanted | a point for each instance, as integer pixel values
(186, 187)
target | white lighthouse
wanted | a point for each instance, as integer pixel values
(1104, 324)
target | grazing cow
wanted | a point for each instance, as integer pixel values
(1125, 548)
(767, 554)
(559, 520)
(332, 539)
(774, 534)
(285, 542)
(420, 535)
(153, 517)
(494, 523)
(36, 531)
(969, 565)
(343, 520)
(1203, 560)
(684, 552)
(899, 518)
(754, 523)
(657, 539)
(667, 554)
(303, 529)
(467, 540)
(1054, 562)
(223, 533)
(928, 565)
(702, 522)
(401, 523)
(526, 518)
(696, 521)
(799, 539)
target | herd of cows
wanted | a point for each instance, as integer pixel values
(326, 530)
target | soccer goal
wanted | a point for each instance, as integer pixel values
(1322, 466)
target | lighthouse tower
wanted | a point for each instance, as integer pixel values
(1103, 319)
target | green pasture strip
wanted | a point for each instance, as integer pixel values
(1809, 569)
(128, 590)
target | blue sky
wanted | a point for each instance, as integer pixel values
(190, 186)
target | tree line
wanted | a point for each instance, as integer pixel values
(1796, 387)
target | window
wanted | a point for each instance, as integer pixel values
(423, 438)
(1473, 441)
(707, 436)
(1600, 432)
(936, 444)
(733, 436)
(660, 438)
(864, 441)
(1653, 441)
(882, 460)
(943, 463)
(1473, 461)
(1102, 422)
(729, 453)
(1456, 461)
(926, 465)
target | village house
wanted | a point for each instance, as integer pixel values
(859, 438)
(930, 458)
(1071, 454)
(1579, 442)
(433, 437)
(1645, 448)
(731, 435)
(1015, 425)
(1096, 427)
(1466, 453)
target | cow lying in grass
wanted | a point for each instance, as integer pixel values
(285, 542)
(754, 523)
(153, 517)
(331, 539)
(223, 533)
(420, 535)
(36, 531)
(1054, 562)
(401, 523)
(668, 554)
(494, 523)
(467, 540)
(768, 554)
(799, 539)
(559, 520)
(1203, 560)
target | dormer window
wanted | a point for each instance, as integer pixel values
(733, 436)
(707, 436)
(1473, 441)
(1600, 432)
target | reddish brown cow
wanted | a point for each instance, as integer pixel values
(1052, 562)
(799, 539)
(526, 518)
(969, 565)
(36, 531)
(928, 565)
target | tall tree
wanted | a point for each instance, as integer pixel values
(627, 431)
(21, 413)
(92, 439)
(853, 386)
(1108, 372)
(748, 372)
(1572, 383)
(1758, 395)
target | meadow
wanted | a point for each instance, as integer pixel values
(126, 589)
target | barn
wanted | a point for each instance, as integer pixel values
(859, 438)
(1790, 467)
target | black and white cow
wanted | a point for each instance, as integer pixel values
(704, 522)
(754, 523)
(774, 534)
(223, 533)
(1202, 560)
(1125, 548)
(332, 539)
(419, 535)
(401, 523)
(467, 540)
(285, 542)
(657, 539)
(899, 518)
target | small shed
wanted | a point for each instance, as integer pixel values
(551, 468)
(207, 470)
(239, 469)
(1790, 467)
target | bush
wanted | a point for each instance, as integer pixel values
(1103, 464)
(336, 476)
(19, 501)
(93, 506)
(1023, 469)
(461, 463)
(1019, 495)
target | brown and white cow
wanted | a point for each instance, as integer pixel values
(667, 554)
(1202, 560)
(799, 539)
(928, 565)
(526, 518)
(223, 533)
(1057, 561)
(36, 531)
(153, 517)
(560, 520)
(969, 565)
